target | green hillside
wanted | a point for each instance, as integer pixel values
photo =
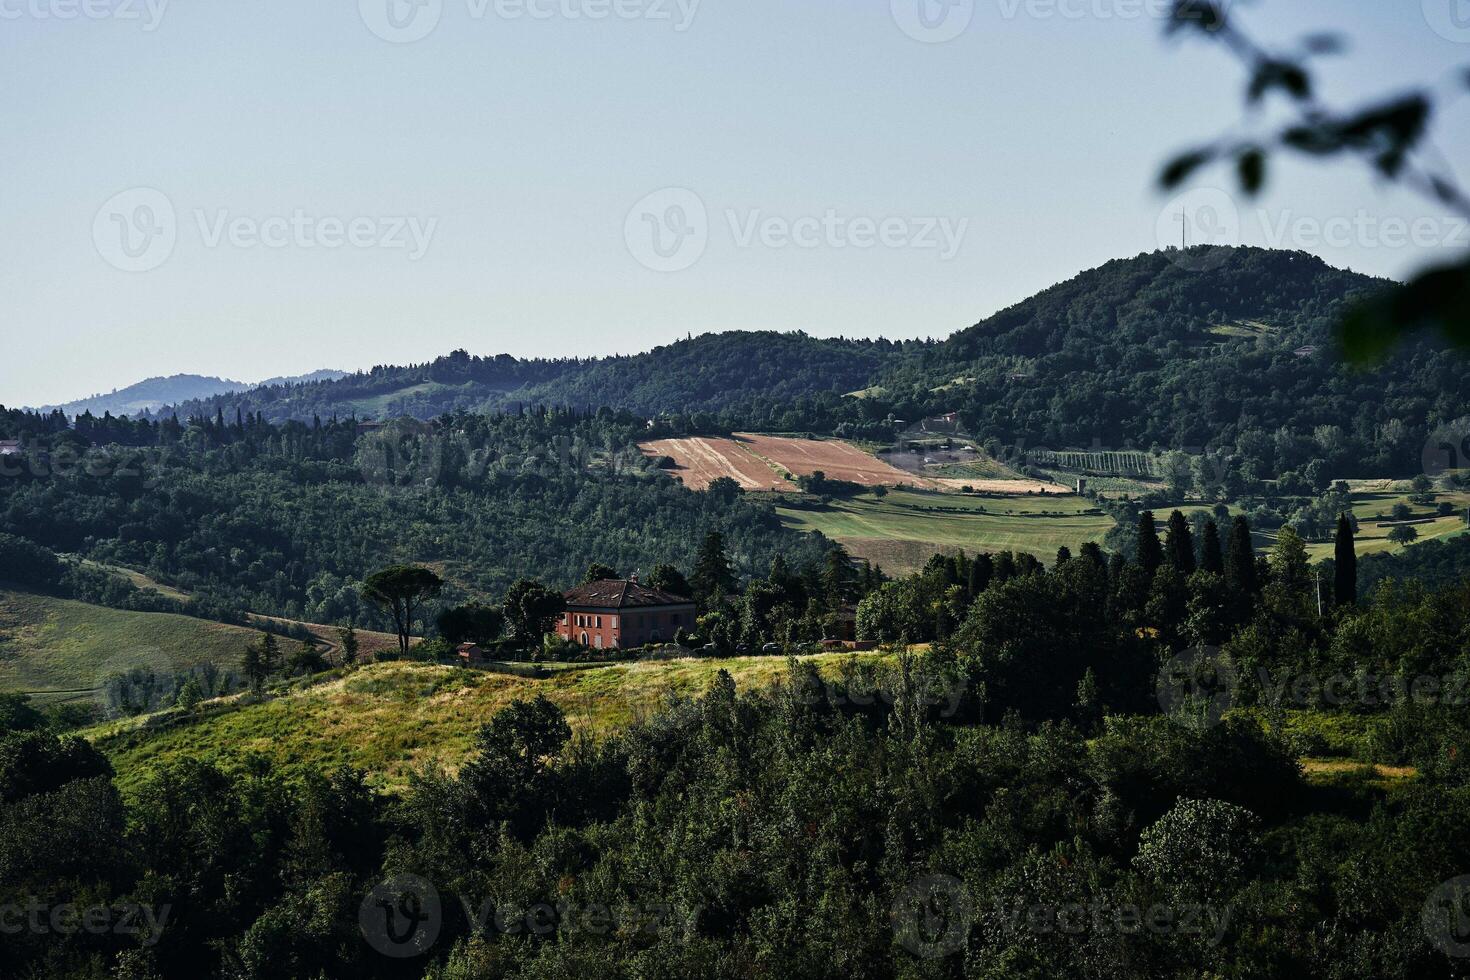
(711, 372)
(904, 528)
(1131, 355)
(392, 718)
(59, 649)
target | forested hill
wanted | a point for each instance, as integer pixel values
(713, 373)
(1218, 348)
(1180, 349)
(716, 372)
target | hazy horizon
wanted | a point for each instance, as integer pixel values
(280, 376)
(182, 202)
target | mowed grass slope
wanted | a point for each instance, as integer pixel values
(903, 529)
(1372, 507)
(59, 648)
(393, 718)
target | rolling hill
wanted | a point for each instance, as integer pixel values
(60, 649)
(154, 393)
(1154, 351)
(390, 719)
(1174, 349)
(708, 373)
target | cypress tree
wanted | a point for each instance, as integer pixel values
(1240, 558)
(1212, 558)
(1150, 552)
(712, 577)
(1064, 555)
(1179, 545)
(1092, 551)
(1345, 584)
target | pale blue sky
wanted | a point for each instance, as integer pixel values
(519, 146)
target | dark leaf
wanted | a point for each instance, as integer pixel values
(1323, 44)
(1401, 123)
(1201, 15)
(1285, 75)
(1316, 140)
(1179, 169)
(1251, 166)
(1444, 190)
(1438, 298)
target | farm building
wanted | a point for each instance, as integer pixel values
(616, 614)
(470, 654)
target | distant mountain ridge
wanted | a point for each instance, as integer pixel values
(1177, 349)
(706, 373)
(152, 394)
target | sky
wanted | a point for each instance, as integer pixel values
(266, 188)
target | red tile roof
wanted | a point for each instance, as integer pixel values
(619, 594)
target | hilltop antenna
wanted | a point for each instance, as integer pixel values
(1183, 230)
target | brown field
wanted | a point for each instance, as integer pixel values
(699, 462)
(758, 462)
(838, 460)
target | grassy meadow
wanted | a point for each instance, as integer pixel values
(58, 649)
(392, 718)
(903, 529)
(1373, 502)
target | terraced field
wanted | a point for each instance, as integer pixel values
(904, 528)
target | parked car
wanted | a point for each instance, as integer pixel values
(771, 648)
